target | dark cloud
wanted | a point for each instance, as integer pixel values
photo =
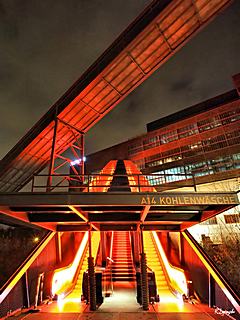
(46, 45)
(183, 84)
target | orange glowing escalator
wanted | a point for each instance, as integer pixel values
(67, 281)
(154, 263)
(77, 290)
(170, 281)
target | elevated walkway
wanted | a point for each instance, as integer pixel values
(173, 211)
(117, 205)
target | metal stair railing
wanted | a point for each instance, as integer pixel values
(213, 270)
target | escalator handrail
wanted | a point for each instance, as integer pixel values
(69, 285)
(70, 264)
(214, 271)
(74, 278)
(170, 281)
(16, 276)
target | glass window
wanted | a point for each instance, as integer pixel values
(192, 149)
(151, 142)
(210, 221)
(188, 130)
(232, 218)
(169, 137)
(209, 123)
(175, 174)
(135, 148)
(214, 143)
(233, 137)
(230, 116)
(159, 179)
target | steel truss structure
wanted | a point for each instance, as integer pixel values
(153, 37)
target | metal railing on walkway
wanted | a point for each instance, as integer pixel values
(214, 272)
(101, 182)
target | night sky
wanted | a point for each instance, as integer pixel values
(46, 45)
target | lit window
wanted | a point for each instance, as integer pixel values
(232, 218)
(210, 221)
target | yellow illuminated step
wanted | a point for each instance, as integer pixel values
(77, 291)
(153, 261)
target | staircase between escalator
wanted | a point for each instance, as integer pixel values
(122, 266)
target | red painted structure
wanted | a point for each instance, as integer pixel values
(148, 42)
(162, 29)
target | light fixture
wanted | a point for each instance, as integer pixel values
(77, 161)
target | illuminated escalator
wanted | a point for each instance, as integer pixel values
(120, 181)
(122, 266)
(67, 281)
(154, 262)
(170, 280)
(77, 290)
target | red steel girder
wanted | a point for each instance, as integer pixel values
(153, 37)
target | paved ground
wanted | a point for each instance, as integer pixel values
(119, 316)
(190, 312)
(122, 305)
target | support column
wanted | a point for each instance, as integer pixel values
(181, 250)
(82, 156)
(53, 151)
(58, 247)
(211, 291)
(26, 287)
(136, 248)
(91, 277)
(103, 244)
(144, 277)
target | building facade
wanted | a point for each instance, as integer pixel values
(202, 141)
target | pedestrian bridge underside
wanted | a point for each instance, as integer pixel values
(118, 211)
(119, 198)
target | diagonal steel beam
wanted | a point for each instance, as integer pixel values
(82, 215)
(144, 213)
(79, 213)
